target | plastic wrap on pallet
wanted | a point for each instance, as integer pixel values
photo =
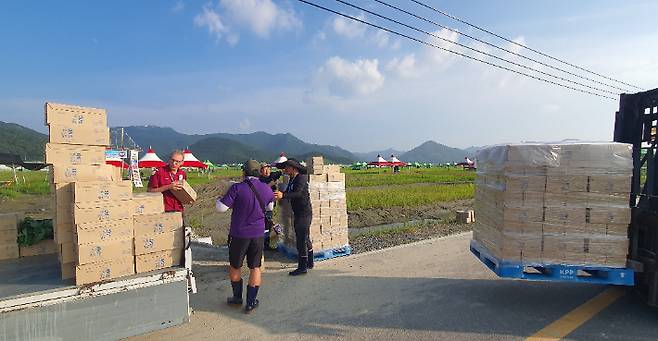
(554, 203)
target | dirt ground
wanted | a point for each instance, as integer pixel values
(35, 206)
(388, 215)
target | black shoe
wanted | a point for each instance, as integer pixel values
(250, 306)
(237, 293)
(234, 301)
(309, 264)
(298, 272)
(252, 302)
(302, 265)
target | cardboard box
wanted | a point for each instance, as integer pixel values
(609, 184)
(82, 173)
(150, 224)
(186, 195)
(104, 271)
(67, 270)
(67, 253)
(44, 247)
(158, 260)
(79, 134)
(104, 251)
(336, 177)
(148, 203)
(9, 251)
(90, 194)
(566, 184)
(73, 114)
(330, 169)
(9, 221)
(68, 154)
(159, 242)
(111, 211)
(92, 233)
(317, 178)
(8, 236)
(63, 230)
(315, 164)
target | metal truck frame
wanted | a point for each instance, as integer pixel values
(635, 123)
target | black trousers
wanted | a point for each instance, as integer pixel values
(302, 234)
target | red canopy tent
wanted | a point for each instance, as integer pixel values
(189, 160)
(380, 162)
(395, 162)
(151, 160)
(117, 163)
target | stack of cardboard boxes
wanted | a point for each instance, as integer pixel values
(555, 203)
(159, 236)
(103, 230)
(327, 193)
(8, 236)
(92, 205)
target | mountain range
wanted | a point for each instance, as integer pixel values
(226, 148)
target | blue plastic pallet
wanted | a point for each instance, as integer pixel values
(553, 272)
(317, 255)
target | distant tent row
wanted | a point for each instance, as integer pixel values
(393, 162)
(151, 160)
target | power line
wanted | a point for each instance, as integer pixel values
(520, 45)
(476, 50)
(451, 51)
(497, 47)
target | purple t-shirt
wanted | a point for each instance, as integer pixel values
(247, 218)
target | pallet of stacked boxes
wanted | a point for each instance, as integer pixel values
(554, 203)
(328, 231)
(159, 236)
(8, 236)
(76, 152)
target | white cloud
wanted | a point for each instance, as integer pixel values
(343, 78)
(441, 57)
(349, 28)
(404, 67)
(514, 47)
(178, 6)
(382, 38)
(210, 19)
(261, 16)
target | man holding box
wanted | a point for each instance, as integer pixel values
(167, 179)
(249, 199)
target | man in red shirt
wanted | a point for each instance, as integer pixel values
(167, 179)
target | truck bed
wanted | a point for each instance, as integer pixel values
(35, 304)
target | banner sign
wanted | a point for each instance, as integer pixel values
(134, 169)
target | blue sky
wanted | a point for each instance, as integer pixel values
(240, 66)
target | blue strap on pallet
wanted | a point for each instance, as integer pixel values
(553, 272)
(317, 255)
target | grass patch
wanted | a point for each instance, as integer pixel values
(385, 176)
(28, 182)
(407, 196)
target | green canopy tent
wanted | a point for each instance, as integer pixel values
(211, 166)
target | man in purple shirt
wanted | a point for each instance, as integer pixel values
(248, 199)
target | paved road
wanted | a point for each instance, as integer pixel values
(433, 290)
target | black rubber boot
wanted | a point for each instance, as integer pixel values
(252, 302)
(310, 259)
(302, 265)
(237, 293)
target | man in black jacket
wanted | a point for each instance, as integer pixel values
(297, 193)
